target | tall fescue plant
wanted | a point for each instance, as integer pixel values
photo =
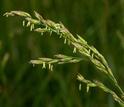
(39, 24)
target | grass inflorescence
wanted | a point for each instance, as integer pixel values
(41, 25)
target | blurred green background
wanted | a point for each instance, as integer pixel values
(100, 22)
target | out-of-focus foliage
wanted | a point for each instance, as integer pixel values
(100, 22)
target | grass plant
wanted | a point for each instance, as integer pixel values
(41, 25)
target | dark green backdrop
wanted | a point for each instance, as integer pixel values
(100, 22)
